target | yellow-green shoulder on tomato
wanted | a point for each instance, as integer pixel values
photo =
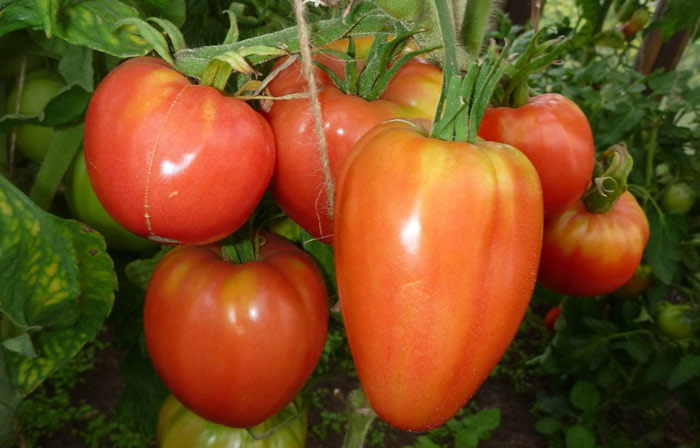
(83, 203)
(40, 86)
(179, 427)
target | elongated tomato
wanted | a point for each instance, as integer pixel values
(437, 246)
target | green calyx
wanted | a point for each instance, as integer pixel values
(609, 179)
(242, 247)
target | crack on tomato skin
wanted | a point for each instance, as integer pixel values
(151, 235)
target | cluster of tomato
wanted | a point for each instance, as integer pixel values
(437, 244)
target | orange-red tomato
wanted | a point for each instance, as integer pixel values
(589, 254)
(172, 161)
(436, 247)
(298, 184)
(236, 343)
(555, 135)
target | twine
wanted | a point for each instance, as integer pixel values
(308, 72)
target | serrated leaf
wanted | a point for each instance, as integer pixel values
(76, 67)
(578, 436)
(60, 283)
(663, 252)
(547, 425)
(686, 369)
(90, 24)
(585, 395)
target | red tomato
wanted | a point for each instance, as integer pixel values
(590, 254)
(172, 161)
(436, 246)
(551, 317)
(236, 343)
(555, 135)
(298, 184)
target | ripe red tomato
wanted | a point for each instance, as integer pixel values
(590, 254)
(172, 161)
(551, 317)
(235, 343)
(555, 135)
(436, 247)
(298, 184)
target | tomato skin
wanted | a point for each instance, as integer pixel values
(298, 184)
(678, 198)
(172, 161)
(589, 254)
(552, 131)
(675, 321)
(83, 203)
(179, 427)
(550, 319)
(441, 275)
(235, 343)
(40, 87)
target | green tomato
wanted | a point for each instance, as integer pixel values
(40, 87)
(676, 321)
(179, 427)
(678, 198)
(83, 203)
(663, 174)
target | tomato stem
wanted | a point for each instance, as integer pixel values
(608, 183)
(361, 418)
(476, 20)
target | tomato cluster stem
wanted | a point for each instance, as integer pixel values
(608, 183)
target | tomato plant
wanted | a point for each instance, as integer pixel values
(39, 88)
(676, 321)
(555, 135)
(235, 343)
(85, 206)
(551, 317)
(678, 198)
(298, 184)
(413, 268)
(180, 427)
(172, 161)
(637, 284)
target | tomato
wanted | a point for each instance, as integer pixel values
(436, 251)
(676, 321)
(235, 343)
(590, 254)
(555, 135)
(639, 20)
(83, 203)
(678, 198)
(551, 317)
(298, 184)
(171, 161)
(40, 87)
(178, 427)
(637, 284)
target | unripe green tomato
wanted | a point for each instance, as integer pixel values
(678, 198)
(675, 321)
(179, 427)
(83, 203)
(39, 88)
(663, 173)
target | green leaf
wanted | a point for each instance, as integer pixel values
(323, 254)
(67, 106)
(10, 398)
(686, 369)
(18, 15)
(172, 10)
(547, 425)
(76, 67)
(59, 280)
(486, 419)
(21, 344)
(585, 395)
(90, 24)
(466, 438)
(663, 252)
(639, 348)
(139, 271)
(578, 436)
(154, 37)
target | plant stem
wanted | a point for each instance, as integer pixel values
(361, 418)
(476, 20)
(651, 150)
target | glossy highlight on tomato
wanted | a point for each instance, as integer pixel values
(171, 161)
(553, 132)
(589, 254)
(436, 249)
(236, 343)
